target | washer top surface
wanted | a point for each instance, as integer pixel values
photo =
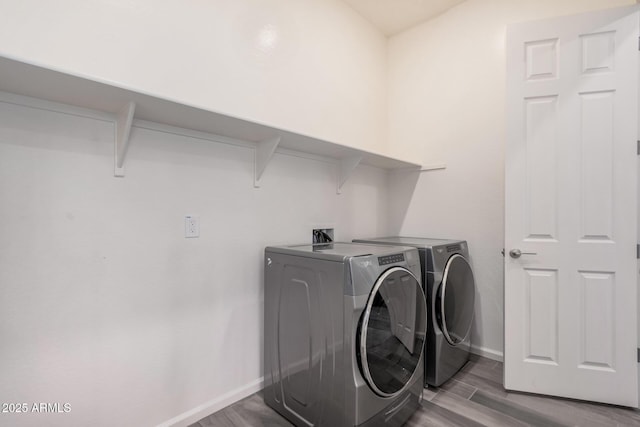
(416, 242)
(336, 251)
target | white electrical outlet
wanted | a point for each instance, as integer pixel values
(191, 226)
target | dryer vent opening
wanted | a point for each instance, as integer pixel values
(322, 235)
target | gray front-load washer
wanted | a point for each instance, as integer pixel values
(344, 331)
(450, 289)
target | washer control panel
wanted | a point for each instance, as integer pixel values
(390, 259)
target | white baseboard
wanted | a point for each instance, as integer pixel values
(214, 405)
(487, 352)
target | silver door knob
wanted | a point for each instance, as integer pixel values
(517, 253)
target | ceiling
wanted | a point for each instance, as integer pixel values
(394, 16)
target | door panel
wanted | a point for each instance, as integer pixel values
(542, 180)
(541, 316)
(597, 305)
(597, 165)
(542, 59)
(571, 207)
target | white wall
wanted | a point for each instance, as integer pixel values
(447, 105)
(315, 67)
(105, 305)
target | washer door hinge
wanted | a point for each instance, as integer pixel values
(637, 251)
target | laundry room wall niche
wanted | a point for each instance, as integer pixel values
(106, 303)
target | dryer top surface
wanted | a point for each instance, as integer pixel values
(337, 251)
(415, 242)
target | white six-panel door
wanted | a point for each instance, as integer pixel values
(571, 203)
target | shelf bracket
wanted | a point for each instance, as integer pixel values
(346, 166)
(262, 155)
(433, 167)
(124, 120)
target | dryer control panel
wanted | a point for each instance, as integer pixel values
(390, 259)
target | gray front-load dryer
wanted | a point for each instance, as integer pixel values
(450, 290)
(344, 331)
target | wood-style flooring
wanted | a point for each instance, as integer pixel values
(473, 397)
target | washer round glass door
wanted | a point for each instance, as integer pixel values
(392, 332)
(456, 300)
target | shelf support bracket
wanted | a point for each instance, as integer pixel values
(262, 156)
(433, 167)
(346, 166)
(124, 120)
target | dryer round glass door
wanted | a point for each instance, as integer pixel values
(456, 299)
(392, 331)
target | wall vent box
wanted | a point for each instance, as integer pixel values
(322, 235)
